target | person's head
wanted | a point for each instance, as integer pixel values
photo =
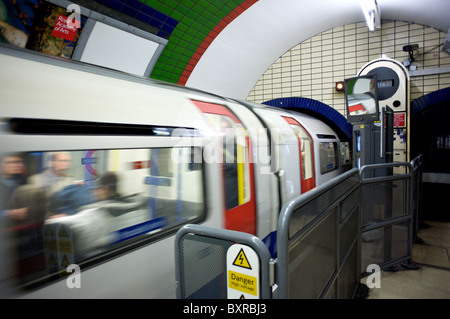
(107, 186)
(61, 162)
(12, 165)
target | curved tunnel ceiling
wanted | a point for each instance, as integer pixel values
(224, 46)
(243, 50)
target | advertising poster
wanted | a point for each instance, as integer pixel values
(39, 25)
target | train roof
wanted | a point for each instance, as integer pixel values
(61, 89)
(38, 86)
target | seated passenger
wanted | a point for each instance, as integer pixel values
(111, 201)
(69, 200)
(107, 187)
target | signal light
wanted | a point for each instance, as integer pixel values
(339, 86)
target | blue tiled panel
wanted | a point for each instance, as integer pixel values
(144, 13)
(316, 106)
(430, 99)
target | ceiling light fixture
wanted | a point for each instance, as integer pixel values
(371, 12)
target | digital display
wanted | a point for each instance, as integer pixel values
(385, 83)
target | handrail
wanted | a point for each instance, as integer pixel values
(417, 161)
(313, 193)
(285, 239)
(302, 199)
(384, 165)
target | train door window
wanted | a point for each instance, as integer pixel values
(306, 154)
(237, 167)
(328, 156)
(78, 205)
(345, 153)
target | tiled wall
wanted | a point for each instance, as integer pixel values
(199, 21)
(311, 68)
(139, 10)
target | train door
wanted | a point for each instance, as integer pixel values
(306, 155)
(237, 164)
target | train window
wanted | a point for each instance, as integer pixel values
(328, 156)
(345, 153)
(306, 150)
(72, 206)
(235, 159)
(306, 154)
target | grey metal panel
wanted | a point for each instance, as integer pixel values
(347, 278)
(350, 203)
(312, 260)
(387, 216)
(330, 192)
(154, 59)
(203, 263)
(208, 240)
(348, 231)
(311, 254)
(417, 163)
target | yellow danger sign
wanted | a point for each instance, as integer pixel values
(241, 260)
(244, 283)
(65, 261)
(243, 272)
(65, 246)
(63, 232)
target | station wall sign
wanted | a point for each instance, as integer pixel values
(400, 119)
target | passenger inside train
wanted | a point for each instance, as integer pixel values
(12, 176)
(94, 200)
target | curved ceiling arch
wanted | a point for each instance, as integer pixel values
(251, 42)
(319, 110)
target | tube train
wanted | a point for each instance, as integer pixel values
(101, 168)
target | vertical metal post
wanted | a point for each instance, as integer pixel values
(389, 136)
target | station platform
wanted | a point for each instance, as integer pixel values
(431, 280)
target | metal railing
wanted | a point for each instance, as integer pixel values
(417, 164)
(317, 241)
(326, 238)
(386, 215)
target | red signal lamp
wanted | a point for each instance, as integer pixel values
(339, 86)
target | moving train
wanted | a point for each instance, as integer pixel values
(99, 169)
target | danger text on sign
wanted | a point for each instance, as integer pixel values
(241, 282)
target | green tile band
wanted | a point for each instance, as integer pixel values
(197, 18)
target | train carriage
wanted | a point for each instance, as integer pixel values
(112, 165)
